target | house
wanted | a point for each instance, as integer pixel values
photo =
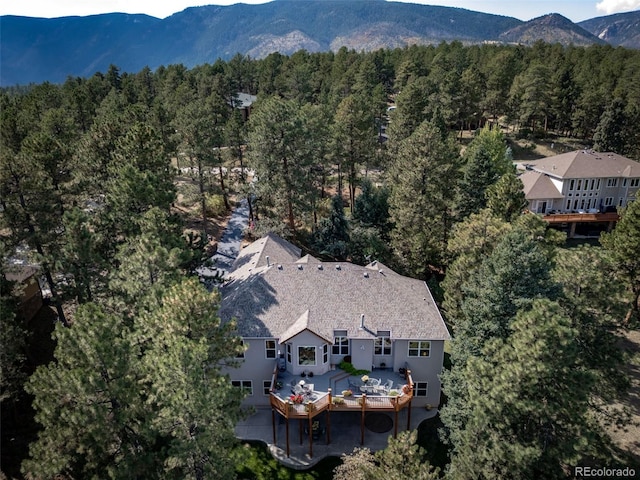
(243, 102)
(583, 181)
(27, 288)
(300, 317)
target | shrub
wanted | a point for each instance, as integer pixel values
(350, 369)
(214, 205)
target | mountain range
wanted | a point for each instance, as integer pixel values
(38, 49)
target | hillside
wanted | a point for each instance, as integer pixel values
(37, 50)
(552, 28)
(621, 29)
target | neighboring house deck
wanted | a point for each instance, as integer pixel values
(307, 316)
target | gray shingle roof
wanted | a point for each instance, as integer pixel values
(538, 186)
(291, 294)
(587, 164)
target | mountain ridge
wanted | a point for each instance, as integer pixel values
(37, 50)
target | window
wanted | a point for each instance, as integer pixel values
(288, 353)
(266, 386)
(571, 184)
(306, 355)
(382, 344)
(608, 201)
(245, 385)
(592, 184)
(579, 187)
(568, 205)
(241, 354)
(634, 182)
(624, 182)
(419, 349)
(270, 348)
(325, 353)
(598, 185)
(620, 201)
(612, 182)
(420, 389)
(340, 343)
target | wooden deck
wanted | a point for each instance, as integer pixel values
(581, 217)
(327, 402)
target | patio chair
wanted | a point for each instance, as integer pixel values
(385, 388)
(298, 389)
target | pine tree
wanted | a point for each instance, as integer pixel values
(505, 198)
(613, 129)
(516, 272)
(279, 155)
(485, 161)
(332, 236)
(528, 403)
(471, 241)
(420, 204)
(402, 458)
(623, 243)
(593, 297)
(138, 399)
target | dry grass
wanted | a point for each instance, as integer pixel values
(192, 217)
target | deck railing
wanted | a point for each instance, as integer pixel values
(328, 401)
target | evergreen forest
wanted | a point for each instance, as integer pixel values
(117, 186)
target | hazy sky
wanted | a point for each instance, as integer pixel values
(575, 10)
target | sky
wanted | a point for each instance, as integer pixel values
(575, 10)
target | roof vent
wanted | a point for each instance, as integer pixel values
(366, 274)
(319, 267)
(279, 267)
(338, 267)
(299, 267)
(268, 263)
(380, 272)
(362, 320)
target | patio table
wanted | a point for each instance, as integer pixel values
(367, 387)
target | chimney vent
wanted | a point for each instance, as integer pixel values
(319, 267)
(366, 274)
(268, 263)
(338, 267)
(362, 320)
(299, 267)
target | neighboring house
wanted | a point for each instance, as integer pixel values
(583, 181)
(27, 287)
(243, 102)
(311, 314)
